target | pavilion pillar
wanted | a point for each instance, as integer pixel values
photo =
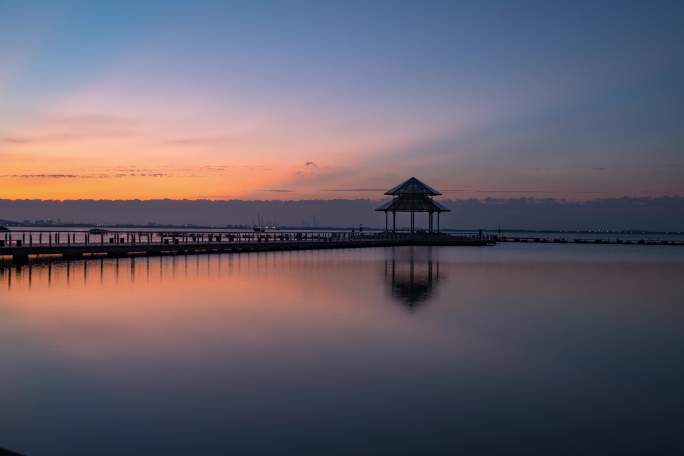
(385, 221)
(438, 222)
(394, 221)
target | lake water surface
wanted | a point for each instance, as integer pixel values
(513, 349)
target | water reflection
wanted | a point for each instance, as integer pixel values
(412, 275)
(94, 271)
(264, 270)
(300, 352)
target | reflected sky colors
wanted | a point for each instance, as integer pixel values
(294, 99)
(547, 348)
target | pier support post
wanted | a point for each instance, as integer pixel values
(20, 258)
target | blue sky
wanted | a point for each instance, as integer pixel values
(233, 99)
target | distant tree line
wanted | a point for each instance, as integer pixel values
(627, 213)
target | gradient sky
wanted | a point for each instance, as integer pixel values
(293, 100)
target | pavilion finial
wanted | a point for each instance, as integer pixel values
(413, 186)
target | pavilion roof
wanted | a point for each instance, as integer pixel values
(418, 203)
(414, 187)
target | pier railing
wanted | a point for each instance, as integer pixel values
(35, 238)
(18, 238)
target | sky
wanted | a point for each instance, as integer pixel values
(325, 100)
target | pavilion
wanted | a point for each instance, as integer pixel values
(412, 196)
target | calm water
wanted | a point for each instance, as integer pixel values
(526, 349)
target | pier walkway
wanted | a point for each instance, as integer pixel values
(595, 241)
(19, 245)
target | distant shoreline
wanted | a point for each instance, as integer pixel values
(15, 224)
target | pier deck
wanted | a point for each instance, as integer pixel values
(594, 241)
(19, 245)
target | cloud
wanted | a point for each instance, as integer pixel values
(14, 140)
(466, 190)
(43, 176)
(37, 139)
(355, 190)
(82, 176)
(311, 164)
(276, 190)
(198, 141)
(233, 168)
(62, 128)
(103, 124)
(566, 168)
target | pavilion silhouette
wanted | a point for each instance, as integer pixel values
(412, 196)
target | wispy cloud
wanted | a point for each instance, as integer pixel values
(276, 190)
(63, 128)
(14, 140)
(527, 191)
(354, 189)
(565, 168)
(81, 176)
(39, 139)
(198, 141)
(42, 176)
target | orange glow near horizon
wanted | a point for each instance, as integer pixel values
(157, 152)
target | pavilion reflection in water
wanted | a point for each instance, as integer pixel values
(412, 275)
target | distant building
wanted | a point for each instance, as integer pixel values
(413, 196)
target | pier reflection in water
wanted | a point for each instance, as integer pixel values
(546, 347)
(84, 273)
(412, 275)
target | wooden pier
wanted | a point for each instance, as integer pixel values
(20, 245)
(592, 241)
